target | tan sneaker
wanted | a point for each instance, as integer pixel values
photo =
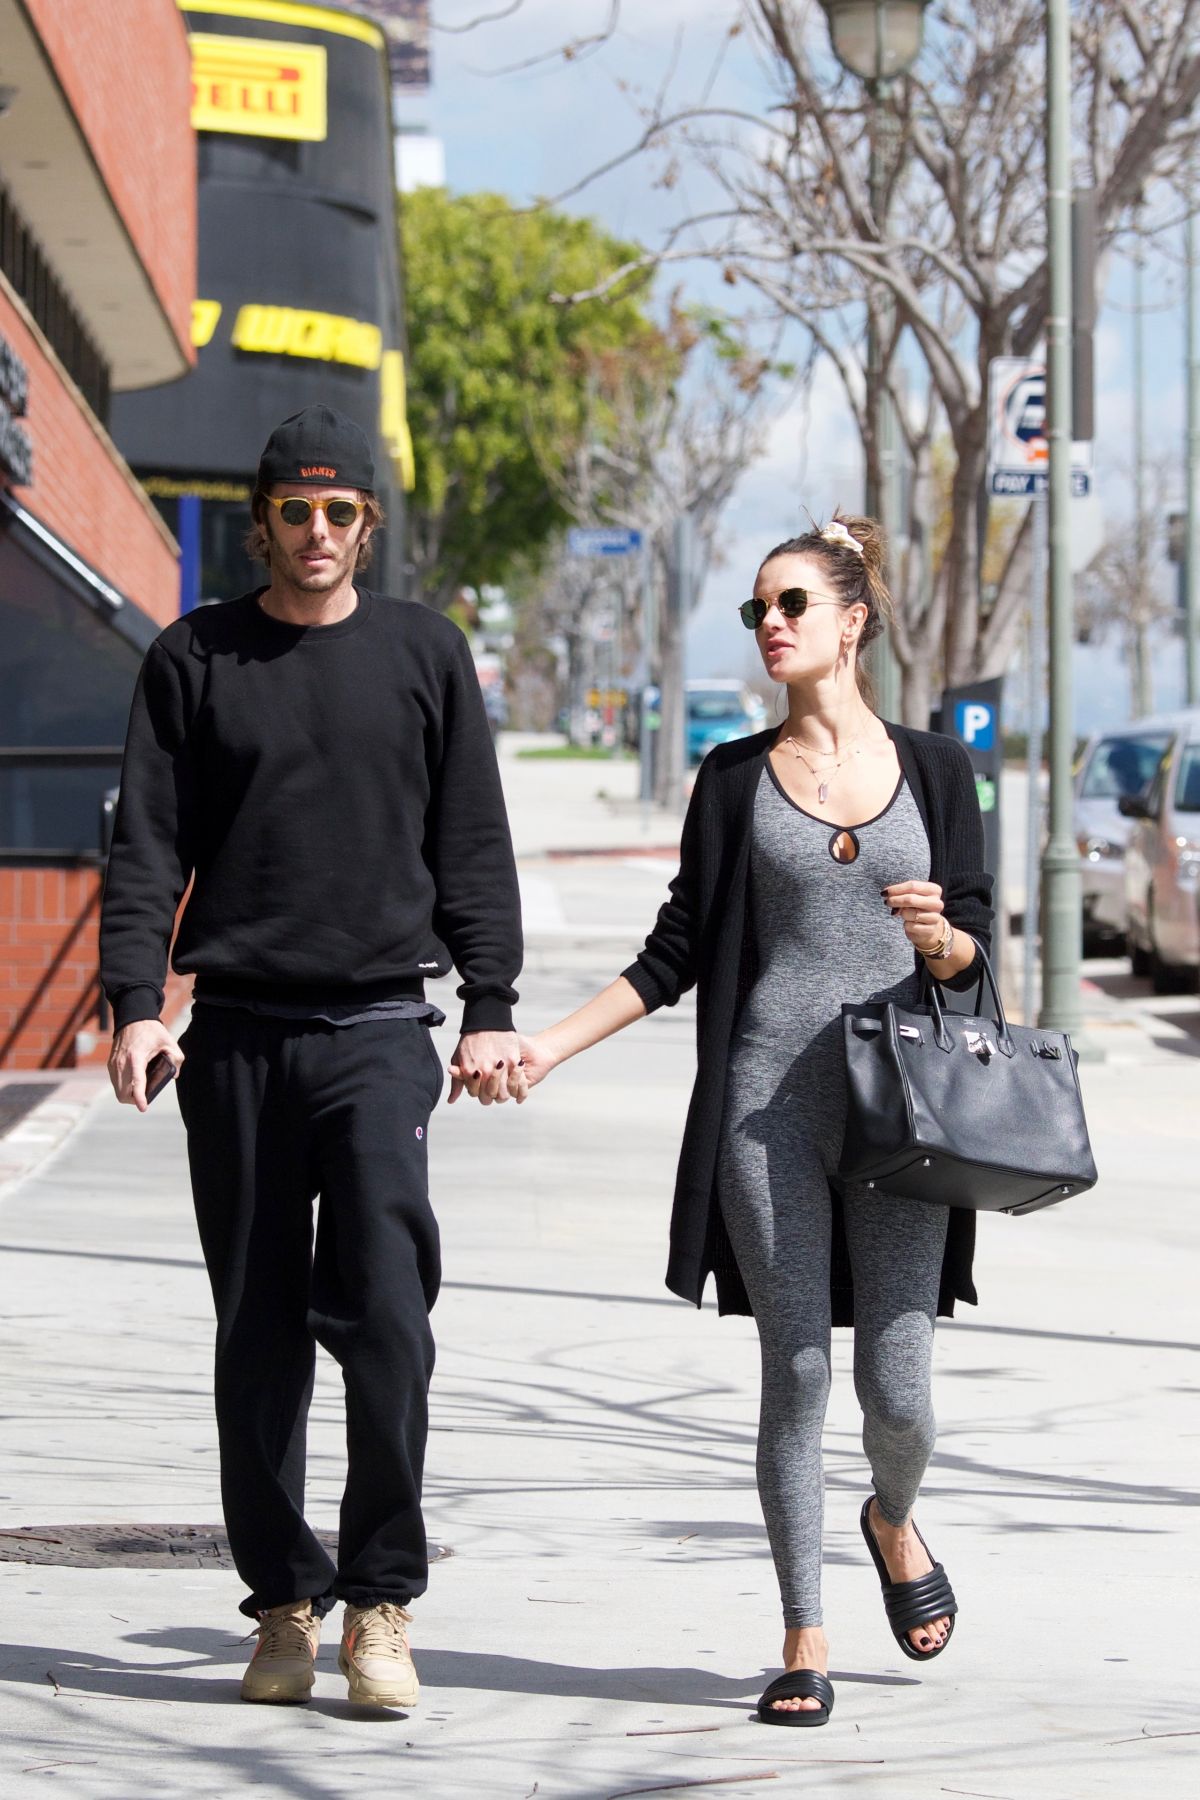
(375, 1657)
(281, 1670)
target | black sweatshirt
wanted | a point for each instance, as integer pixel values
(333, 791)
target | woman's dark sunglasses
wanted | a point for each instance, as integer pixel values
(793, 603)
(294, 509)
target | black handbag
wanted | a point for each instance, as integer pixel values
(961, 1109)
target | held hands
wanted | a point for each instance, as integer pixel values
(502, 1066)
(919, 907)
(488, 1065)
(512, 1081)
(132, 1048)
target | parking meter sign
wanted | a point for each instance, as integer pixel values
(972, 715)
(975, 724)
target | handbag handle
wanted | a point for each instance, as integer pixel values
(933, 997)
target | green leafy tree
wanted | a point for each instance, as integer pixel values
(498, 371)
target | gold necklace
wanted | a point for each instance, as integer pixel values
(823, 781)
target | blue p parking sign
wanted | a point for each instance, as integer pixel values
(975, 724)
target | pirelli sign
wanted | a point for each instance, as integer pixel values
(259, 87)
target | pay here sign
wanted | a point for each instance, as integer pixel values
(1018, 451)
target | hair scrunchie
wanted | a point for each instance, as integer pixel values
(836, 533)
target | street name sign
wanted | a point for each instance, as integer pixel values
(603, 540)
(1018, 449)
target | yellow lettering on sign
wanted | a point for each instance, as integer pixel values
(317, 336)
(170, 487)
(205, 314)
(258, 87)
(393, 419)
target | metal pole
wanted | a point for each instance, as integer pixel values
(672, 733)
(618, 669)
(881, 425)
(1141, 667)
(1191, 545)
(1035, 701)
(872, 485)
(651, 699)
(1061, 900)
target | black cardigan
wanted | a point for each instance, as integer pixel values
(702, 938)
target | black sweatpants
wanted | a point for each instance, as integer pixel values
(278, 1113)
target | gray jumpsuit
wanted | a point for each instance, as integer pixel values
(824, 935)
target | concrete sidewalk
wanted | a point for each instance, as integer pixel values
(591, 1469)
(585, 805)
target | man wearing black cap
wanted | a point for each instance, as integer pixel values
(316, 761)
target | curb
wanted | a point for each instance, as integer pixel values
(42, 1132)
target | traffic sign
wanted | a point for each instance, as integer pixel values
(1018, 450)
(603, 540)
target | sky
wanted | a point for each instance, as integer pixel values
(534, 132)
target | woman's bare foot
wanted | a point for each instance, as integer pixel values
(805, 1648)
(906, 1558)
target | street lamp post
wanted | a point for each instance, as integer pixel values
(1060, 1008)
(1191, 547)
(879, 40)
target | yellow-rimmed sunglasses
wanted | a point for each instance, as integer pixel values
(294, 509)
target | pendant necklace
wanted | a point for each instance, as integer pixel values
(823, 781)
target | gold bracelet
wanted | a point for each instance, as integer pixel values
(944, 946)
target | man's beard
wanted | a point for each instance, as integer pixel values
(319, 581)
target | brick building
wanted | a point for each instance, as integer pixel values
(97, 280)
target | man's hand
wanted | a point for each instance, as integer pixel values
(488, 1065)
(133, 1047)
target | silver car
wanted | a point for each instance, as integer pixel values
(1114, 765)
(1162, 867)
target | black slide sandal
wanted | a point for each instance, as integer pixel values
(911, 1604)
(801, 1684)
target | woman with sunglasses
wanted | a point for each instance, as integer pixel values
(823, 861)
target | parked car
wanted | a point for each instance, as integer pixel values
(1162, 866)
(719, 711)
(1114, 765)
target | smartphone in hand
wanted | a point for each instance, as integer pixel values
(160, 1072)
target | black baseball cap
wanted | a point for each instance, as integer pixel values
(318, 445)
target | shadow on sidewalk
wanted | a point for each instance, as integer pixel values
(75, 1672)
(450, 1669)
(1122, 985)
(440, 1671)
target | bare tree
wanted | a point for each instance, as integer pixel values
(955, 271)
(1117, 595)
(673, 430)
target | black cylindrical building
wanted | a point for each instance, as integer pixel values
(299, 277)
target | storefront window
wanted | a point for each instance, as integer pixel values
(66, 681)
(225, 569)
